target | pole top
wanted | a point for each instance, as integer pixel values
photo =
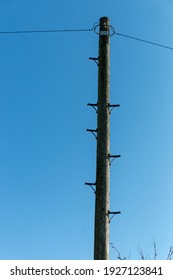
(104, 20)
(104, 28)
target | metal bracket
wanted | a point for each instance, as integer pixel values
(93, 131)
(91, 185)
(112, 106)
(95, 59)
(94, 106)
(112, 30)
(113, 214)
(113, 157)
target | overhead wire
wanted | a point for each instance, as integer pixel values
(144, 41)
(82, 30)
(47, 31)
(44, 31)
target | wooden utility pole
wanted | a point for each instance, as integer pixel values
(101, 236)
(102, 134)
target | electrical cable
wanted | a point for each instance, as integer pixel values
(82, 30)
(144, 41)
(44, 31)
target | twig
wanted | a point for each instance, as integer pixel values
(170, 254)
(155, 249)
(119, 255)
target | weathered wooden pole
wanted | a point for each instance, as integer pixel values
(101, 235)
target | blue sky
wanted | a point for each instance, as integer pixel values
(46, 155)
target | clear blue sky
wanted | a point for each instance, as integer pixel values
(46, 155)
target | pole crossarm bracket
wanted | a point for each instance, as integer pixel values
(113, 157)
(93, 131)
(91, 185)
(94, 105)
(113, 214)
(95, 59)
(112, 106)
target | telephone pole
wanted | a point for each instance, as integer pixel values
(102, 134)
(102, 202)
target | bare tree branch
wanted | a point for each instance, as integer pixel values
(141, 253)
(119, 255)
(170, 254)
(155, 249)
